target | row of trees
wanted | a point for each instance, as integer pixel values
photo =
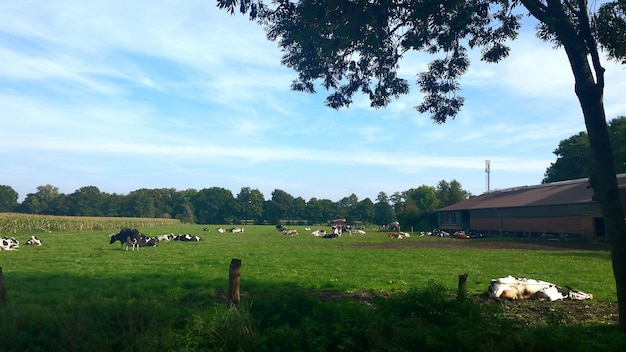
(414, 207)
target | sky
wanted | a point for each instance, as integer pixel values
(124, 95)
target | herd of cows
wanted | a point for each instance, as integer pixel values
(132, 238)
(511, 288)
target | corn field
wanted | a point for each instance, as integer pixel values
(11, 223)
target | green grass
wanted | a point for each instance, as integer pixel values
(76, 292)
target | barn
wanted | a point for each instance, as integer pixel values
(557, 208)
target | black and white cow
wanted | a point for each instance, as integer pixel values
(521, 288)
(127, 236)
(33, 241)
(145, 241)
(9, 244)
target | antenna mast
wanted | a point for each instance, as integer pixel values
(488, 171)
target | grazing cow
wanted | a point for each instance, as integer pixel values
(33, 241)
(126, 236)
(9, 244)
(521, 288)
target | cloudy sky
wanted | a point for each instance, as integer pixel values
(124, 95)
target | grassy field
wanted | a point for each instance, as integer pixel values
(77, 292)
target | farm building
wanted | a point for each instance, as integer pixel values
(563, 207)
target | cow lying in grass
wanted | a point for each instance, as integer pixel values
(521, 288)
(33, 241)
(9, 244)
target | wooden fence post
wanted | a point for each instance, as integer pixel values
(462, 291)
(233, 281)
(3, 291)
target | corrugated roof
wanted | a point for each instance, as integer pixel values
(554, 193)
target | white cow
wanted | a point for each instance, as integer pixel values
(359, 232)
(521, 288)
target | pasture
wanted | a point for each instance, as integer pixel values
(77, 292)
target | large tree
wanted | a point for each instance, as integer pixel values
(351, 46)
(8, 199)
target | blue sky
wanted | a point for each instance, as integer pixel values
(124, 95)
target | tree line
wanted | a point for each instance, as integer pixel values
(412, 208)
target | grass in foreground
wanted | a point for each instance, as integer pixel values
(77, 292)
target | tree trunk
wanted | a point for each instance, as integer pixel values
(602, 179)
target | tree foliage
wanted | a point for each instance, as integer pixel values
(8, 199)
(573, 154)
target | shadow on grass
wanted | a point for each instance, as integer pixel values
(189, 313)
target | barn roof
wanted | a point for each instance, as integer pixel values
(554, 193)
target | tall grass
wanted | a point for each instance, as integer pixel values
(76, 293)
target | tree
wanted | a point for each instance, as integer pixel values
(572, 160)
(356, 46)
(277, 208)
(365, 211)
(250, 204)
(86, 201)
(213, 205)
(8, 199)
(450, 193)
(37, 203)
(573, 156)
(383, 212)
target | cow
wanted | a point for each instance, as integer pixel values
(187, 238)
(33, 241)
(9, 244)
(398, 235)
(318, 233)
(280, 227)
(126, 236)
(514, 288)
(221, 230)
(290, 232)
(359, 232)
(145, 241)
(331, 235)
(167, 237)
(236, 230)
